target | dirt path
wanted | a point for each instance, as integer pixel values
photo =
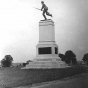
(77, 82)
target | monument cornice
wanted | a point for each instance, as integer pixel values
(45, 24)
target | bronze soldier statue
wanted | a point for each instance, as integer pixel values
(45, 10)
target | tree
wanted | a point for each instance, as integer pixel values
(70, 57)
(24, 64)
(85, 58)
(74, 61)
(27, 62)
(7, 61)
(62, 56)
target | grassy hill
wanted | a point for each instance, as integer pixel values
(14, 76)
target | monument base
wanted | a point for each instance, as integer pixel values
(46, 63)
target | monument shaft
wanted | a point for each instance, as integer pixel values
(46, 46)
(46, 31)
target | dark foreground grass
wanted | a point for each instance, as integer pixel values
(14, 77)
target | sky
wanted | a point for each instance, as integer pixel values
(19, 27)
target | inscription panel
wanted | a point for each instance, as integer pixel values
(56, 50)
(44, 50)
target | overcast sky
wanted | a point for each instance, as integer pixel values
(19, 30)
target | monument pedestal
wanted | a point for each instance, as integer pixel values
(46, 49)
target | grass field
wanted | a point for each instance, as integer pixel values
(14, 77)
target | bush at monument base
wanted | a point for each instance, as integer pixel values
(15, 77)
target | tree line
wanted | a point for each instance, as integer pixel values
(69, 57)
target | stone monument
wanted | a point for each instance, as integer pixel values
(46, 49)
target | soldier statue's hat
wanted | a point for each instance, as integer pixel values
(42, 1)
